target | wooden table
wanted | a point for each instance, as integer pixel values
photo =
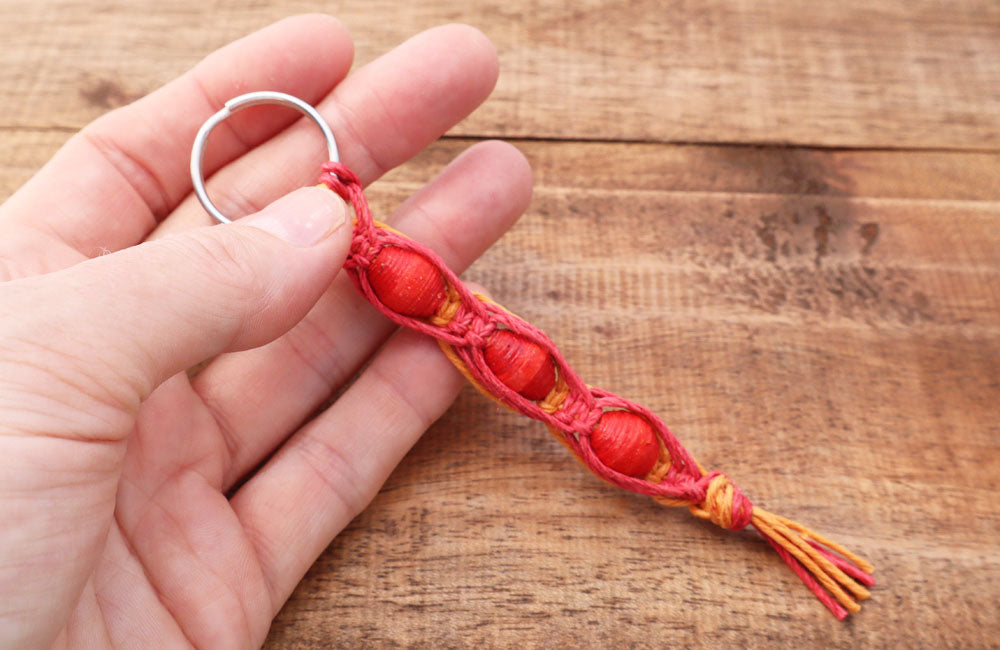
(776, 223)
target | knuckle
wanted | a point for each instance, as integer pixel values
(337, 477)
(228, 278)
(231, 269)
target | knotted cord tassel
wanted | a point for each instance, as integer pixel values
(518, 366)
(808, 554)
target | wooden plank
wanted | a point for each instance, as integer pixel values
(794, 171)
(895, 73)
(848, 380)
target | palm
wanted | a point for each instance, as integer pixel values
(174, 522)
(177, 557)
(179, 532)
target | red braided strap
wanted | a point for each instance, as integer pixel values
(469, 327)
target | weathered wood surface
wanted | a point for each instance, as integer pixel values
(891, 73)
(823, 325)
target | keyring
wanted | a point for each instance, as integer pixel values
(237, 104)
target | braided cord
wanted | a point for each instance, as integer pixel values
(462, 325)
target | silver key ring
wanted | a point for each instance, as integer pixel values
(237, 104)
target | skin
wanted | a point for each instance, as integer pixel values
(121, 522)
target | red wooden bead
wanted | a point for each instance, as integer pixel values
(521, 365)
(406, 282)
(625, 442)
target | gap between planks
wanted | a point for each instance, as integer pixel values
(762, 144)
(477, 137)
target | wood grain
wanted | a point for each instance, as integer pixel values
(822, 324)
(893, 73)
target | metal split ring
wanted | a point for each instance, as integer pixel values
(237, 104)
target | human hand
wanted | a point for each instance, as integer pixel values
(122, 520)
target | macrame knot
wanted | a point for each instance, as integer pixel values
(469, 326)
(579, 414)
(338, 177)
(360, 256)
(724, 504)
(479, 329)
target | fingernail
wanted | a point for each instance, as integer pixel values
(303, 218)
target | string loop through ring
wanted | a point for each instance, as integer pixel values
(237, 104)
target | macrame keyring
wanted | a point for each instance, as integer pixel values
(517, 365)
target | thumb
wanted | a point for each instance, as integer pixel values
(125, 322)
